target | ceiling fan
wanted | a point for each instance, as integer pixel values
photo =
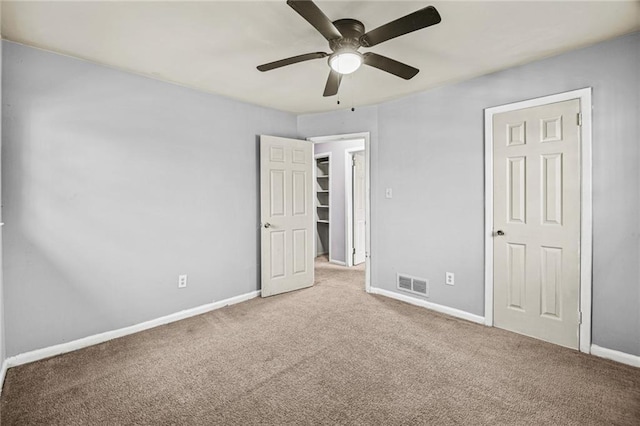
(346, 36)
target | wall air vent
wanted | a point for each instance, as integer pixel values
(420, 286)
(404, 283)
(413, 284)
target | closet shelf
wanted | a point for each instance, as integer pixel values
(321, 203)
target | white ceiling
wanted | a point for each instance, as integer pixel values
(215, 46)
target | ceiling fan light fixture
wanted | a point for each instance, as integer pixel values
(345, 62)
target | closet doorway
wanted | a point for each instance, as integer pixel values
(341, 185)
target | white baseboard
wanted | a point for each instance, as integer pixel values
(337, 262)
(622, 357)
(62, 348)
(429, 305)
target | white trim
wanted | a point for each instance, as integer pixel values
(315, 197)
(3, 374)
(586, 236)
(348, 203)
(586, 220)
(622, 357)
(337, 262)
(367, 183)
(488, 218)
(429, 305)
(84, 342)
(335, 138)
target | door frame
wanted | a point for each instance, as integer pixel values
(367, 189)
(348, 202)
(586, 203)
(315, 199)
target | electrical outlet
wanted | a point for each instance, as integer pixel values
(182, 281)
(449, 278)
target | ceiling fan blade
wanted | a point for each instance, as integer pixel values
(292, 60)
(313, 15)
(333, 83)
(389, 65)
(412, 22)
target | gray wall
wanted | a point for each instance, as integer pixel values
(337, 218)
(113, 185)
(429, 149)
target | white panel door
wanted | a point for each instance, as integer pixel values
(536, 222)
(358, 208)
(286, 205)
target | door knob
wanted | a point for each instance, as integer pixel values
(267, 225)
(499, 233)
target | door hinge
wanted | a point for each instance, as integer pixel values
(353, 161)
(354, 251)
(579, 119)
(579, 317)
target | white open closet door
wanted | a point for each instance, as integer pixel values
(287, 219)
(359, 211)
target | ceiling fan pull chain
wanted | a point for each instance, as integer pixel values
(353, 108)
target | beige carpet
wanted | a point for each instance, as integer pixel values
(330, 354)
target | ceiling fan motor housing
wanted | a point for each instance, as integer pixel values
(351, 31)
